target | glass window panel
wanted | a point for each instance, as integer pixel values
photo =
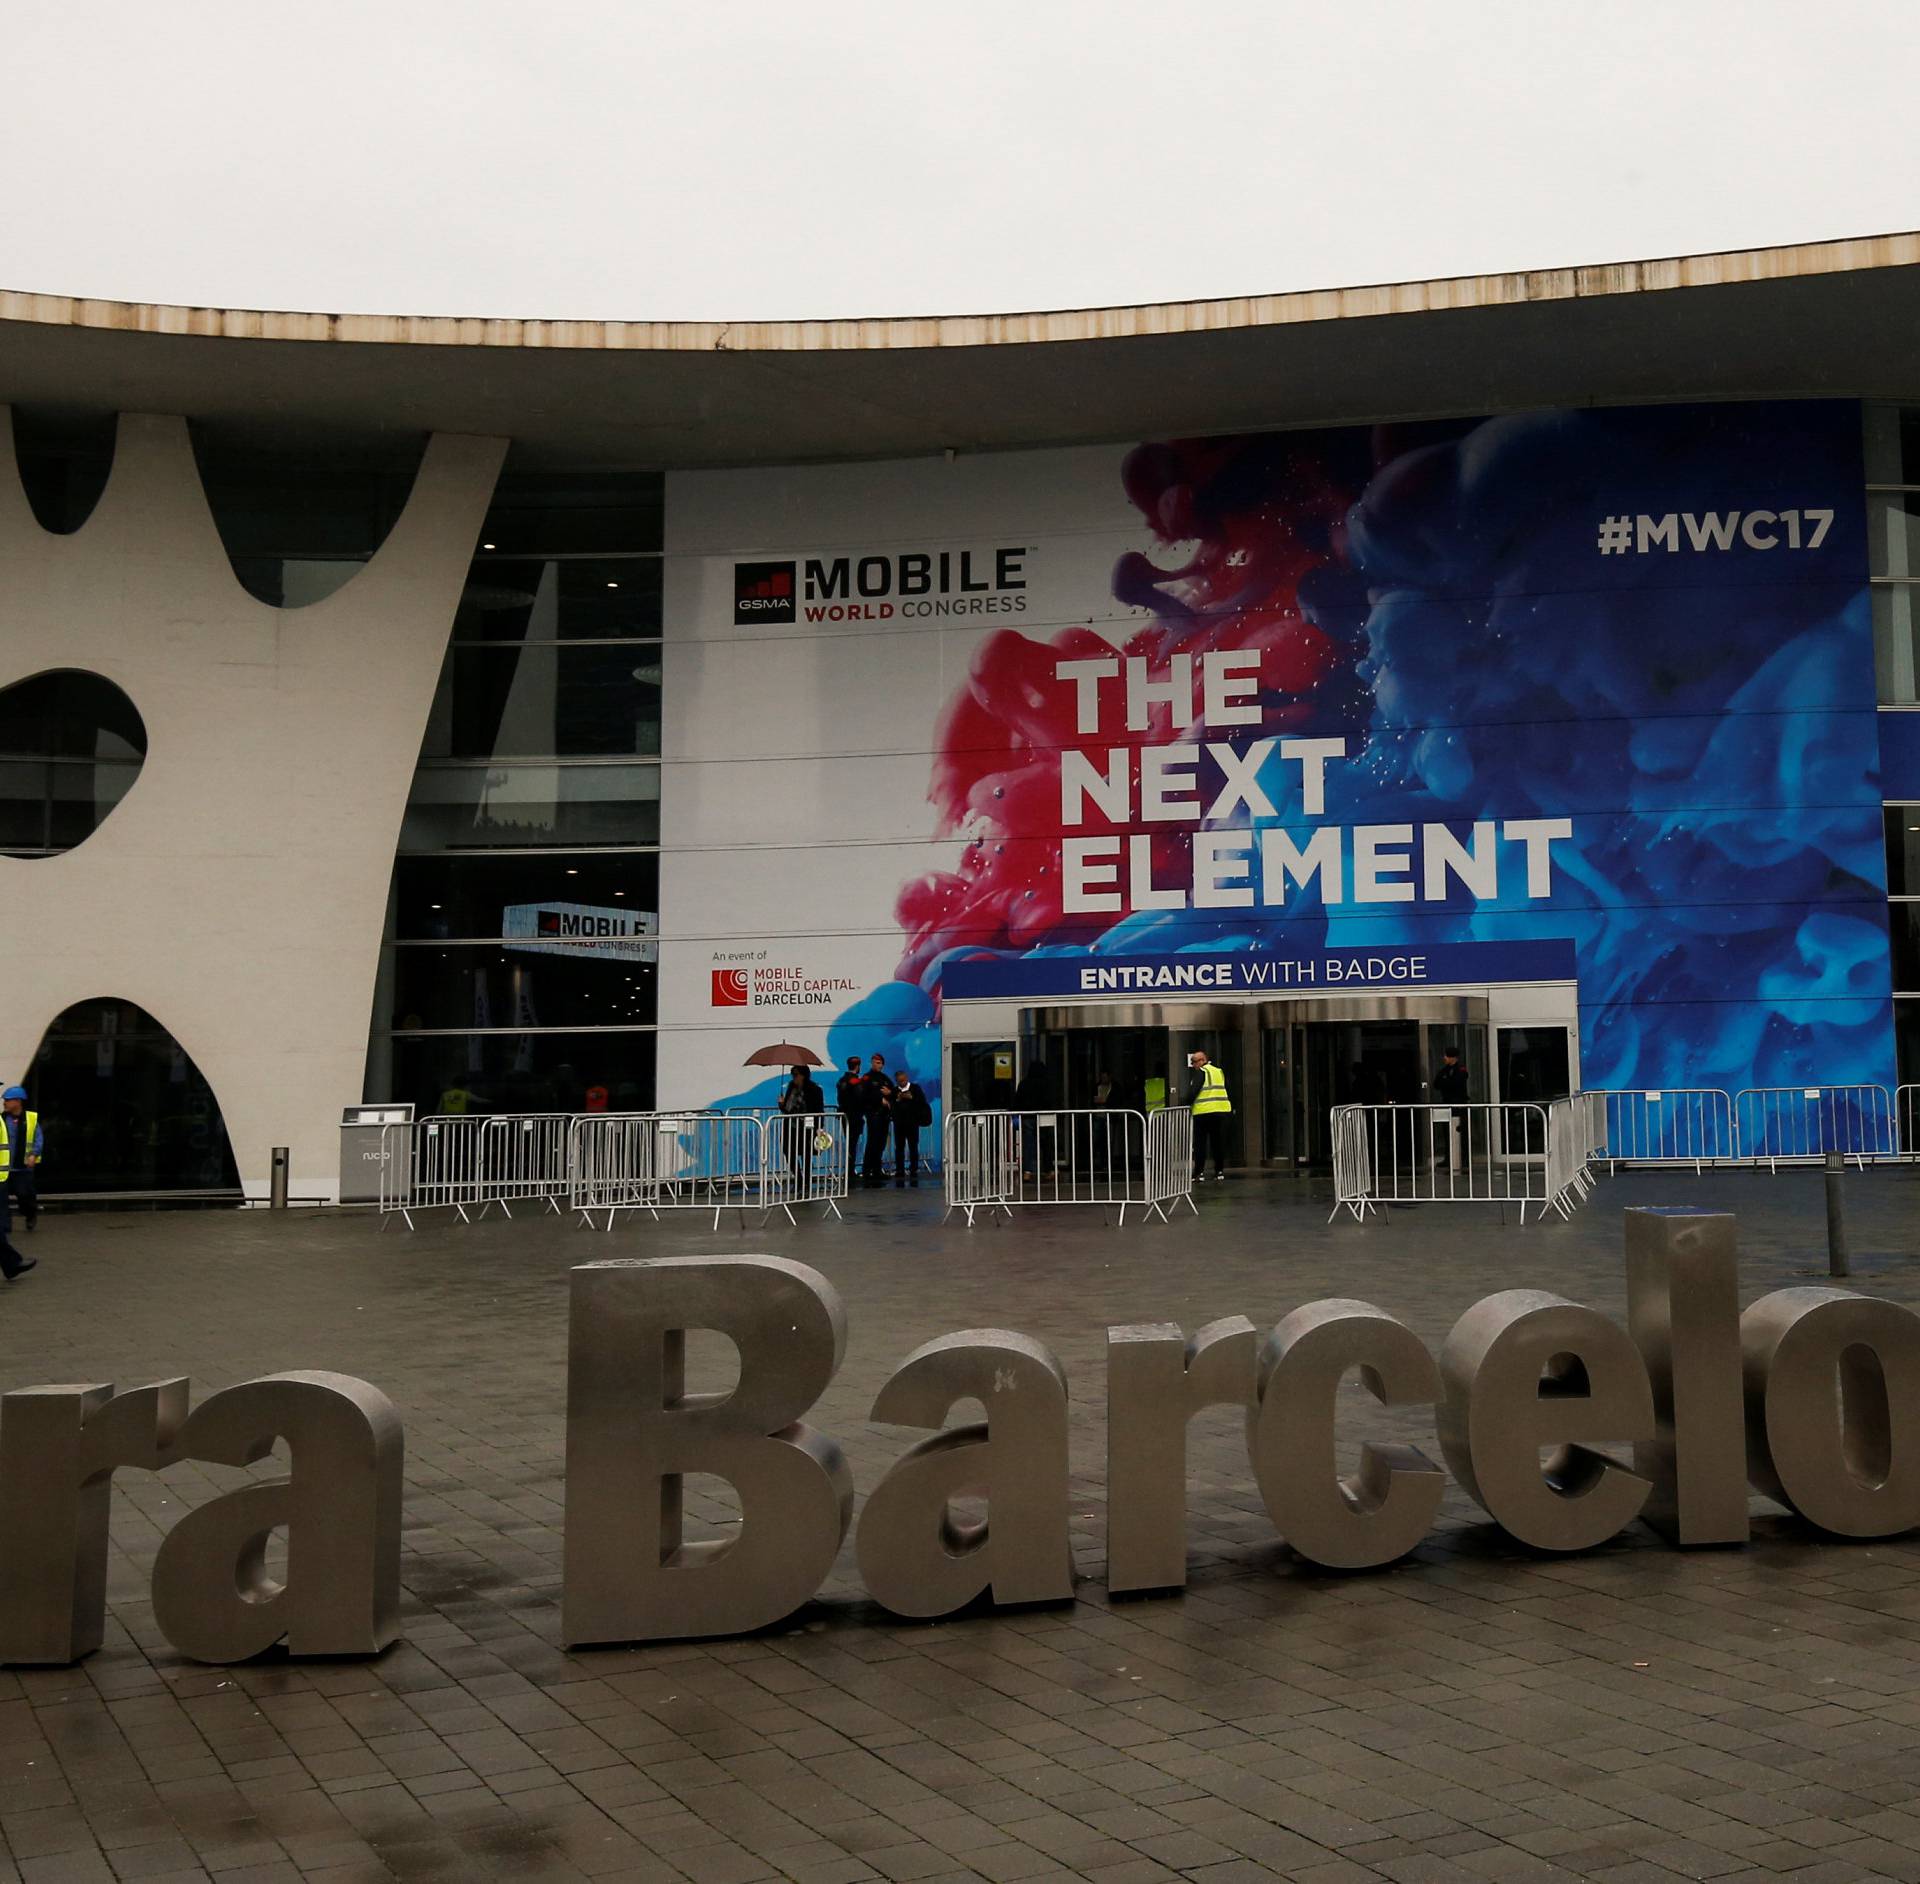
(494, 806)
(523, 1072)
(82, 795)
(69, 714)
(1906, 1038)
(1893, 534)
(538, 985)
(1903, 850)
(23, 806)
(1893, 445)
(1904, 919)
(464, 897)
(1896, 643)
(504, 699)
(549, 513)
(513, 598)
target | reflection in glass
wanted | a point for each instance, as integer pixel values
(1896, 643)
(467, 897)
(1893, 534)
(471, 806)
(1903, 850)
(123, 1108)
(569, 1072)
(502, 699)
(485, 985)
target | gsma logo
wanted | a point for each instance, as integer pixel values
(763, 592)
(729, 987)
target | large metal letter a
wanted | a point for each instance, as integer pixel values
(633, 1431)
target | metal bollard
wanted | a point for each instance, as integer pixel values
(277, 1181)
(1836, 1215)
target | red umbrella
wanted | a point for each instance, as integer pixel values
(783, 1055)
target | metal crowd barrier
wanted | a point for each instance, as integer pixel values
(1108, 1156)
(650, 1161)
(1906, 1106)
(1690, 1125)
(804, 1161)
(1524, 1154)
(432, 1164)
(1779, 1125)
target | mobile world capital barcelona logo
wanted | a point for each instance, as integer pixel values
(729, 987)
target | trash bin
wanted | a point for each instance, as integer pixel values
(363, 1144)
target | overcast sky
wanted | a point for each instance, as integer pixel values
(834, 157)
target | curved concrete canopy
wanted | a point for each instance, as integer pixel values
(1818, 318)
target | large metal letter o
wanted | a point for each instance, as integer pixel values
(1833, 1408)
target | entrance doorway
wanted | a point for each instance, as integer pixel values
(1317, 1056)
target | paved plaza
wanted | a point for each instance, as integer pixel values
(1474, 1715)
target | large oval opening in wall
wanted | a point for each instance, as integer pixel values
(123, 1109)
(71, 746)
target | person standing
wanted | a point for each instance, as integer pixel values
(1211, 1106)
(877, 1089)
(1451, 1088)
(12, 1263)
(850, 1095)
(24, 1148)
(801, 1104)
(911, 1113)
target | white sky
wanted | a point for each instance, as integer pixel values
(826, 157)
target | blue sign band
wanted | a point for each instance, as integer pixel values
(1318, 971)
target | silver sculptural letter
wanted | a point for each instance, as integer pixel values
(1156, 1381)
(1383, 1512)
(1833, 1408)
(633, 1431)
(1523, 1370)
(59, 1447)
(340, 1505)
(915, 1557)
(1683, 1311)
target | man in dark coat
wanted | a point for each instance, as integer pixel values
(850, 1095)
(911, 1113)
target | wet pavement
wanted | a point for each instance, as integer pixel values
(1477, 1712)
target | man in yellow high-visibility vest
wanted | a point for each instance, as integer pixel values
(1208, 1100)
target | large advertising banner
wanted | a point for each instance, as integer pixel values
(1601, 679)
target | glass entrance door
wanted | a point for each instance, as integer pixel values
(1314, 1065)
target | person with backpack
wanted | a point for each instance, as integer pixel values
(911, 1114)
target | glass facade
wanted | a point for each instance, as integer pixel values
(1903, 892)
(519, 972)
(1893, 549)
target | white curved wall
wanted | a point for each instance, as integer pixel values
(238, 892)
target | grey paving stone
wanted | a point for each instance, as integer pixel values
(1478, 1712)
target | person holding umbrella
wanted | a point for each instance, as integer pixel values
(801, 1104)
(801, 1101)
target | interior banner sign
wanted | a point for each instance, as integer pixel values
(1561, 1425)
(620, 935)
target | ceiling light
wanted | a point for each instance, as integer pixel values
(613, 585)
(433, 905)
(573, 873)
(486, 546)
